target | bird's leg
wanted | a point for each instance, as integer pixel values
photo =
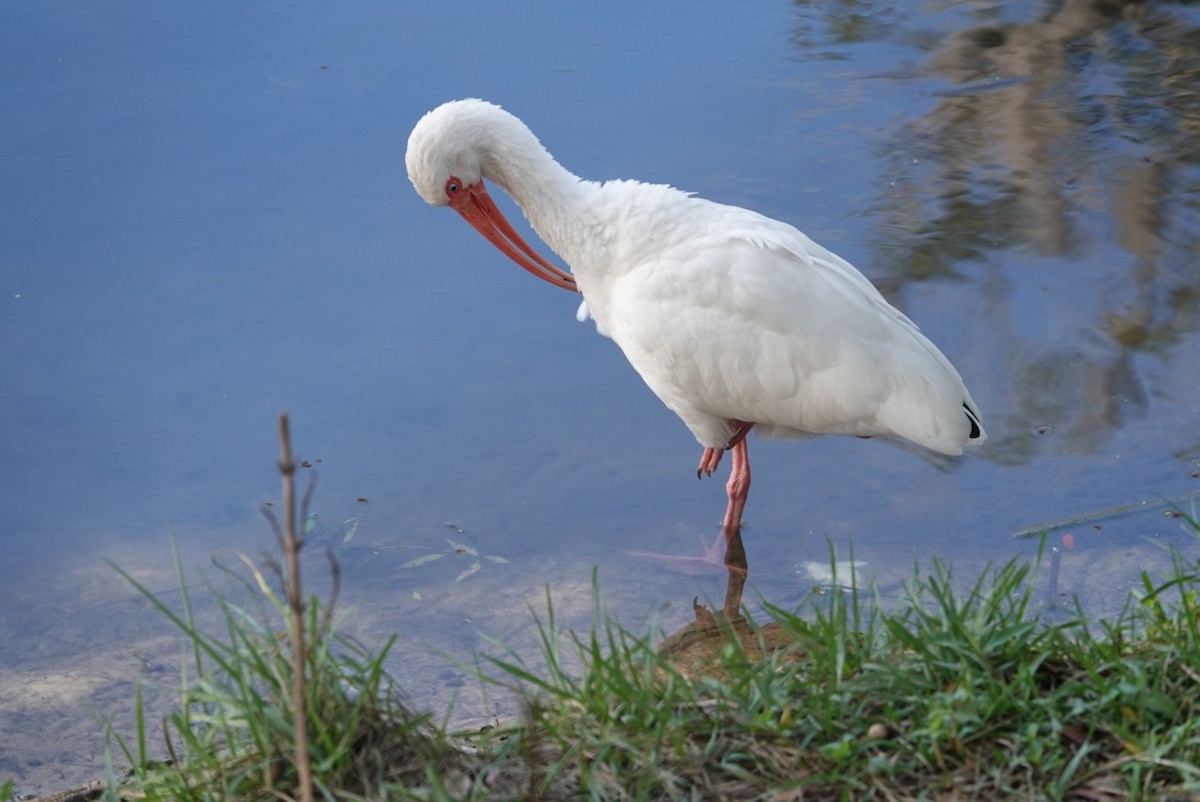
(738, 487)
(732, 557)
(711, 457)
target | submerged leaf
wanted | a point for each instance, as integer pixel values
(475, 566)
(428, 558)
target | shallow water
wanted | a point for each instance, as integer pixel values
(207, 220)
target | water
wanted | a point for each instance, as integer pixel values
(206, 220)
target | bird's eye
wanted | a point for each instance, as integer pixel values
(453, 186)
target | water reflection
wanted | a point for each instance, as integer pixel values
(1064, 143)
(1058, 134)
(698, 641)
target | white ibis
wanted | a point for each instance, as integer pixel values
(733, 319)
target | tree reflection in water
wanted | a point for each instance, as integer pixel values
(1067, 143)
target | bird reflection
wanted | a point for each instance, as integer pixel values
(697, 646)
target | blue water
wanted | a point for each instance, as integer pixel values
(207, 220)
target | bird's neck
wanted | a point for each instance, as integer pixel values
(554, 200)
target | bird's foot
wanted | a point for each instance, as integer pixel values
(711, 457)
(709, 461)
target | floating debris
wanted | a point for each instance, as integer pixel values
(841, 575)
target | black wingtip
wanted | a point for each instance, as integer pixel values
(976, 429)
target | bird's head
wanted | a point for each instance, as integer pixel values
(450, 150)
(447, 143)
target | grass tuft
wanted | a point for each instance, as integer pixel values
(232, 736)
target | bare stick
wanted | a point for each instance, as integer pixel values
(291, 548)
(335, 572)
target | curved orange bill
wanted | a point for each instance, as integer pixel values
(477, 207)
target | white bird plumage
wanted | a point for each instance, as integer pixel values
(733, 319)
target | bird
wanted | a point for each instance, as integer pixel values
(736, 321)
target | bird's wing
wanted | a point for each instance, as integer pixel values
(758, 323)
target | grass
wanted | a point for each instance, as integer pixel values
(949, 694)
(952, 695)
(233, 734)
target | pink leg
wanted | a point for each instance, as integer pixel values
(738, 487)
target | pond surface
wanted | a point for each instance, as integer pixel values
(207, 220)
